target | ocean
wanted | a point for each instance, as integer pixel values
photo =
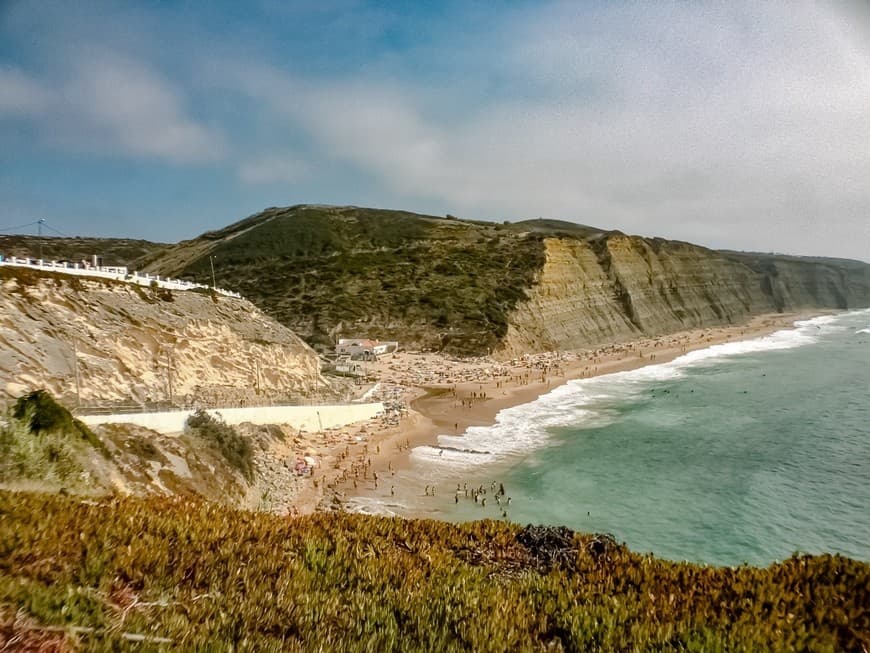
(744, 452)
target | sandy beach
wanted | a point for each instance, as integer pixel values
(429, 394)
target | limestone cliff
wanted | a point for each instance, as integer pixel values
(468, 287)
(143, 346)
(616, 287)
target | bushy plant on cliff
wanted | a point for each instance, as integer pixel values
(41, 441)
(46, 459)
(44, 415)
(233, 447)
(207, 577)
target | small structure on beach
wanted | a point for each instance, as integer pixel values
(364, 348)
(346, 366)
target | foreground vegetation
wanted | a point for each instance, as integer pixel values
(173, 574)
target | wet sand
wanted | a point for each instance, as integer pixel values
(446, 396)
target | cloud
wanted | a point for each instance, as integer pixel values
(20, 95)
(106, 103)
(737, 125)
(273, 169)
(137, 111)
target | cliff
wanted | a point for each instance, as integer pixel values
(617, 287)
(127, 344)
(470, 287)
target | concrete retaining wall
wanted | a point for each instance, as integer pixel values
(307, 418)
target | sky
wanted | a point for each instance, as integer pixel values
(739, 124)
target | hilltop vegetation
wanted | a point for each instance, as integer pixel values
(470, 287)
(198, 576)
(323, 271)
(115, 251)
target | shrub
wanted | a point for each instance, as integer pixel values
(43, 415)
(233, 447)
(47, 459)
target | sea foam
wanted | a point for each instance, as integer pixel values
(582, 403)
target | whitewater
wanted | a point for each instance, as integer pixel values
(746, 451)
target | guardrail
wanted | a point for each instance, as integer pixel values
(117, 273)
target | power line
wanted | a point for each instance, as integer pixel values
(40, 224)
(20, 226)
(59, 233)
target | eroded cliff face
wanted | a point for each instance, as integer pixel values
(617, 287)
(790, 283)
(135, 345)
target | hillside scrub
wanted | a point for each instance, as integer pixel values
(233, 447)
(208, 577)
(426, 281)
(41, 441)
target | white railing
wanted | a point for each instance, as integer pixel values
(117, 273)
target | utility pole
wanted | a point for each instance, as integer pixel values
(39, 224)
(76, 371)
(213, 282)
(169, 374)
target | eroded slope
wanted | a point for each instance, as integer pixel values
(142, 346)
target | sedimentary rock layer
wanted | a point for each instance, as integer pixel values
(129, 344)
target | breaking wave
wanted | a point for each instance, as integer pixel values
(583, 403)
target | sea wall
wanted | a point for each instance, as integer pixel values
(305, 418)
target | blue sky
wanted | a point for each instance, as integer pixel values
(742, 124)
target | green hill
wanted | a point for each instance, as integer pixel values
(471, 287)
(436, 282)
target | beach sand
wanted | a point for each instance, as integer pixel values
(431, 394)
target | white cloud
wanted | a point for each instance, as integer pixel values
(273, 169)
(735, 125)
(21, 95)
(106, 103)
(137, 111)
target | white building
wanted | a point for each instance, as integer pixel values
(364, 348)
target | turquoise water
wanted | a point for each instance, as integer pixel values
(745, 452)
